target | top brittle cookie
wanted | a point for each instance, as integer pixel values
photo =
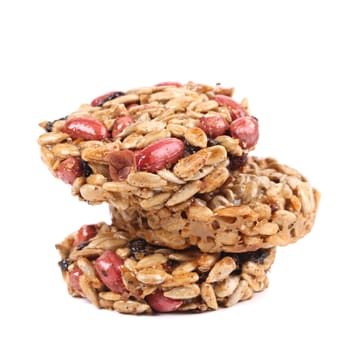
(158, 140)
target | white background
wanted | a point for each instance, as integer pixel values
(283, 55)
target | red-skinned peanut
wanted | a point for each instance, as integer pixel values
(120, 164)
(85, 128)
(100, 100)
(120, 124)
(214, 126)
(69, 169)
(74, 275)
(169, 83)
(246, 130)
(84, 234)
(108, 268)
(160, 154)
(235, 109)
(158, 302)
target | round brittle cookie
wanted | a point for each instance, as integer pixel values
(113, 271)
(264, 204)
(153, 142)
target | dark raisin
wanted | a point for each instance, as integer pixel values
(236, 259)
(49, 125)
(64, 264)
(139, 248)
(170, 265)
(237, 161)
(137, 245)
(190, 149)
(87, 171)
(241, 258)
(211, 142)
(258, 256)
(274, 207)
(202, 276)
(184, 215)
(110, 97)
(82, 245)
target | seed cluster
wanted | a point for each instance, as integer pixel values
(195, 219)
(132, 276)
(150, 129)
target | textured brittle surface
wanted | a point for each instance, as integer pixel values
(263, 205)
(158, 144)
(114, 271)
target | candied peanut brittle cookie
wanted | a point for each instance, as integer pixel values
(262, 205)
(162, 140)
(113, 271)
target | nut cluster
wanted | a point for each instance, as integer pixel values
(162, 137)
(195, 220)
(128, 275)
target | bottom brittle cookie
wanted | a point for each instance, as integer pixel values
(118, 272)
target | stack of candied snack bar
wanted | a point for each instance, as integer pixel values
(195, 220)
